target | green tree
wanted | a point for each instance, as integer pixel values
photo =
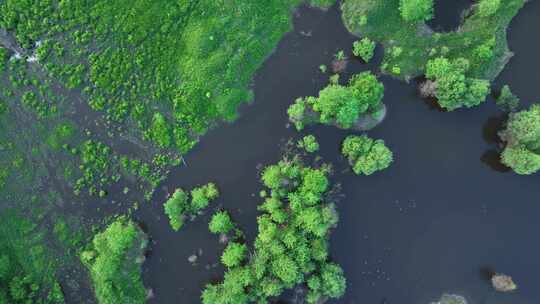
(364, 49)
(221, 223)
(201, 196)
(176, 207)
(488, 8)
(160, 131)
(233, 254)
(416, 10)
(309, 143)
(366, 155)
(522, 137)
(507, 100)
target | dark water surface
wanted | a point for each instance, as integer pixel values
(436, 221)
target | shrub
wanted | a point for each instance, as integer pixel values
(416, 10)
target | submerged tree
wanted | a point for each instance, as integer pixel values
(522, 137)
(364, 49)
(292, 243)
(338, 105)
(416, 10)
(507, 100)
(366, 155)
(453, 89)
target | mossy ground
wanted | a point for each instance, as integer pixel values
(408, 46)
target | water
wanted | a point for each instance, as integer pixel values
(436, 221)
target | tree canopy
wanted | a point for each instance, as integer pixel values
(453, 88)
(416, 10)
(292, 242)
(366, 155)
(522, 137)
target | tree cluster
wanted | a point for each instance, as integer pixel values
(339, 105)
(453, 88)
(180, 205)
(113, 259)
(291, 247)
(522, 137)
(366, 155)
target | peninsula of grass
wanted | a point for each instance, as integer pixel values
(408, 45)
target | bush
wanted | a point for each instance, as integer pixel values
(488, 8)
(176, 207)
(234, 254)
(507, 101)
(221, 223)
(309, 143)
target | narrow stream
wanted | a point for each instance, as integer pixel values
(436, 221)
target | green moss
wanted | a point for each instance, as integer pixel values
(381, 21)
(113, 260)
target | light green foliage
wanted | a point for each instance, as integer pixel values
(488, 8)
(309, 143)
(179, 205)
(322, 3)
(366, 155)
(176, 207)
(507, 100)
(386, 22)
(364, 49)
(233, 254)
(201, 196)
(292, 243)
(454, 89)
(339, 105)
(60, 135)
(221, 223)
(113, 259)
(522, 137)
(416, 10)
(27, 271)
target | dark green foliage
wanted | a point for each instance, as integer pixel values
(179, 206)
(4, 55)
(221, 223)
(309, 143)
(416, 10)
(453, 89)
(292, 243)
(113, 259)
(160, 132)
(364, 49)
(27, 272)
(507, 101)
(60, 135)
(339, 105)
(522, 137)
(366, 155)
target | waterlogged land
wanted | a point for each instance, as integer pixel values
(103, 105)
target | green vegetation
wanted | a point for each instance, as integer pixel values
(221, 222)
(338, 105)
(179, 206)
(114, 260)
(507, 101)
(409, 43)
(364, 49)
(309, 143)
(291, 247)
(366, 155)
(522, 137)
(27, 270)
(416, 10)
(453, 89)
